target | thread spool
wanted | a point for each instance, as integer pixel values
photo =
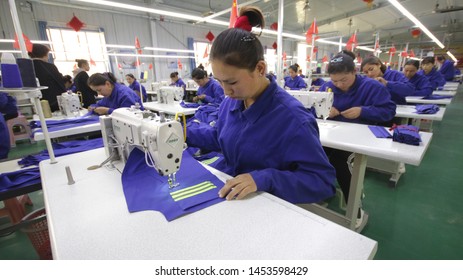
(11, 78)
(26, 68)
(46, 109)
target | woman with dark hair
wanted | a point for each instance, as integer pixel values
(115, 95)
(447, 68)
(209, 90)
(135, 86)
(422, 85)
(357, 99)
(176, 81)
(48, 75)
(429, 70)
(398, 85)
(294, 81)
(269, 141)
(68, 83)
(80, 82)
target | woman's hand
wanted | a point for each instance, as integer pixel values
(382, 80)
(101, 110)
(238, 187)
(352, 113)
(333, 113)
(199, 97)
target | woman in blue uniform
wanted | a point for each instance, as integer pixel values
(398, 85)
(422, 85)
(357, 99)
(176, 81)
(135, 86)
(447, 68)
(294, 81)
(269, 141)
(430, 72)
(209, 90)
(115, 95)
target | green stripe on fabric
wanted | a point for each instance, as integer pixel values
(210, 161)
(192, 191)
(189, 188)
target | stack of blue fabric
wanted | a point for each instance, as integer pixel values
(20, 178)
(189, 105)
(379, 131)
(427, 109)
(407, 134)
(436, 96)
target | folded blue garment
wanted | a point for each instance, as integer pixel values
(62, 149)
(145, 189)
(55, 125)
(407, 134)
(427, 109)
(189, 105)
(207, 113)
(380, 131)
(20, 178)
(436, 96)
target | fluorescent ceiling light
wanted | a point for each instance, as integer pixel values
(32, 41)
(452, 56)
(148, 55)
(120, 46)
(9, 51)
(168, 50)
(411, 17)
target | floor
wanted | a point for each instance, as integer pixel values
(421, 218)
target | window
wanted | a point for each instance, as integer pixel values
(202, 51)
(68, 45)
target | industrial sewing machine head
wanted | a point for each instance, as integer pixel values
(161, 139)
(155, 86)
(321, 101)
(167, 95)
(69, 104)
(191, 84)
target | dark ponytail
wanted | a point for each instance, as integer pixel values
(99, 79)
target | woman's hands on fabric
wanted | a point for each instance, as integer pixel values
(238, 187)
(334, 113)
(352, 113)
(101, 110)
(199, 97)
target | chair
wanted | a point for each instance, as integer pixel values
(19, 129)
(14, 208)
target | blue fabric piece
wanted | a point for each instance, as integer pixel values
(121, 96)
(296, 83)
(318, 82)
(379, 131)
(62, 149)
(55, 125)
(367, 93)
(437, 97)
(276, 141)
(427, 109)
(179, 83)
(145, 189)
(407, 134)
(398, 85)
(435, 78)
(213, 91)
(207, 113)
(422, 85)
(135, 86)
(189, 105)
(20, 178)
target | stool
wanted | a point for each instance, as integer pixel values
(23, 128)
(14, 208)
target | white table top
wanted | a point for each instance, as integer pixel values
(86, 128)
(408, 111)
(358, 138)
(451, 85)
(191, 89)
(445, 92)
(419, 99)
(90, 220)
(170, 109)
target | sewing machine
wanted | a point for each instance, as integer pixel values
(161, 139)
(320, 100)
(167, 95)
(155, 86)
(191, 84)
(69, 104)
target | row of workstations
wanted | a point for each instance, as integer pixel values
(276, 229)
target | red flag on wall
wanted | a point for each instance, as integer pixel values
(313, 29)
(392, 50)
(180, 66)
(206, 52)
(26, 41)
(233, 14)
(352, 42)
(137, 45)
(75, 23)
(150, 66)
(325, 58)
(92, 62)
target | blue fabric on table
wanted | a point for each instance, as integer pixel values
(189, 105)
(427, 109)
(407, 134)
(379, 131)
(62, 149)
(436, 97)
(20, 178)
(145, 189)
(207, 113)
(55, 125)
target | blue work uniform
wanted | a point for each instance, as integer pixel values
(179, 83)
(9, 110)
(276, 141)
(135, 86)
(318, 82)
(447, 70)
(422, 85)
(435, 78)
(121, 96)
(213, 91)
(367, 93)
(296, 83)
(398, 85)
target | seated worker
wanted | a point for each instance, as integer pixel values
(269, 141)
(398, 85)
(8, 110)
(115, 94)
(430, 72)
(357, 99)
(422, 85)
(68, 83)
(317, 82)
(176, 81)
(300, 74)
(294, 81)
(447, 68)
(209, 90)
(135, 86)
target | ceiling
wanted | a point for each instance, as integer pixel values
(444, 18)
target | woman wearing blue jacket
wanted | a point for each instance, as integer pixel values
(447, 68)
(115, 95)
(398, 85)
(209, 90)
(357, 99)
(430, 72)
(135, 86)
(294, 81)
(422, 85)
(269, 141)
